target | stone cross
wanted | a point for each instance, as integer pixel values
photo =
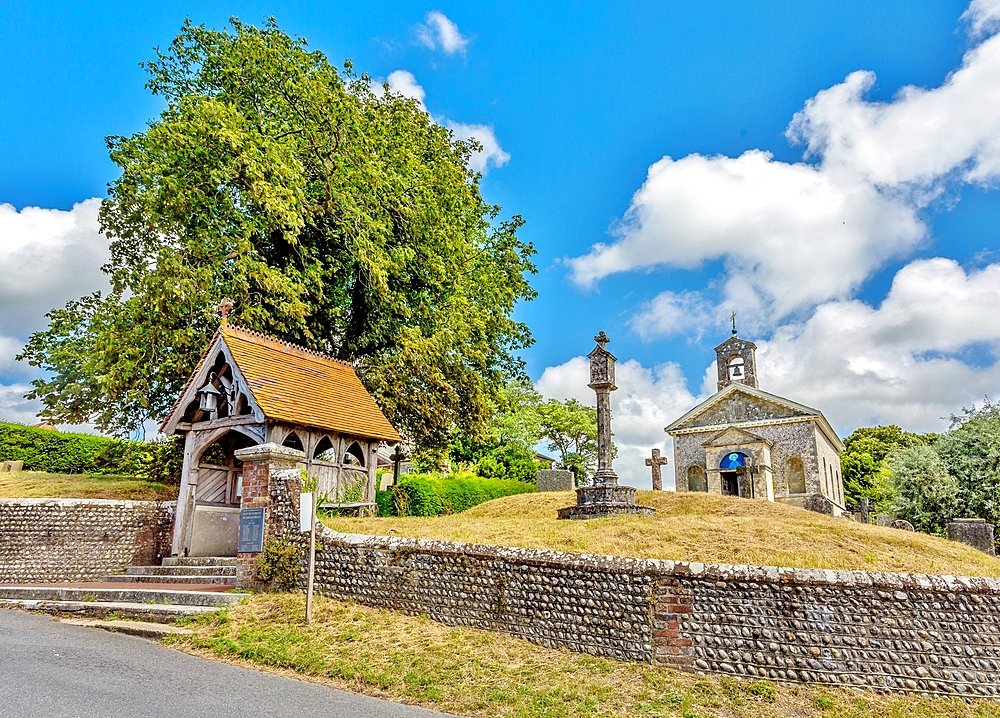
(655, 462)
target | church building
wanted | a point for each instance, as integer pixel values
(743, 441)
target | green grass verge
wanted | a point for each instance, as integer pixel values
(471, 672)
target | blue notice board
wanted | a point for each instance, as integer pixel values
(251, 531)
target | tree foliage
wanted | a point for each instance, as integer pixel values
(571, 429)
(925, 493)
(335, 215)
(863, 461)
(971, 450)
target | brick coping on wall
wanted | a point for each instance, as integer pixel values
(680, 569)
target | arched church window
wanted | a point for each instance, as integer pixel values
(736, 368)
(696, 479)
(292, 441)
(354, 456)
(795, 476)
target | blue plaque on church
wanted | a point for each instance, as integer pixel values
(251, 531)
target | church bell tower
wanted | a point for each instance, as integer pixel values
(736, 360)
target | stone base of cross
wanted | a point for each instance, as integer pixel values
(655, 462)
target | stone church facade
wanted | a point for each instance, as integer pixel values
(743, 441)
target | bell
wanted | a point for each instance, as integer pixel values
(736, 371)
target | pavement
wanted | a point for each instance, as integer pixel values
(50, 669)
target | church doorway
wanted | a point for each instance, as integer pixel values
(733, 467)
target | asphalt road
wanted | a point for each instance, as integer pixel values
(50, 670)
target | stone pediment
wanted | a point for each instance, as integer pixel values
(734, 436)
(737, 404)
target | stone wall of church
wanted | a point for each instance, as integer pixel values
(45, 540)
(828, 460)
(796, 439)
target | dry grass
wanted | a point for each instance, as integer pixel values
(692, 527)
(476, 673)
(39, 485)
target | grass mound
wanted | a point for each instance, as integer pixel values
(692, 527)
(42, 485)
(471, 672)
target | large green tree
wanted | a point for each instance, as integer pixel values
(334, 214)
(863, 462)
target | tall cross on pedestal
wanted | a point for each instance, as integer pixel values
(655, 462)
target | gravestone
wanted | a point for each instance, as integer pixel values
(654, 463)
(903, 525)
(885, 519)
(555, 480)
(974, 532)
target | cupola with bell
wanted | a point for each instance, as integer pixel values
(736, 361)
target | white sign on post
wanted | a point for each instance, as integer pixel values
(306, 512)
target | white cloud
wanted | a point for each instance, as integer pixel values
(405, 84)
(646, 401)
(47, 257)
(670, 313)
(902, 362)
(438, 30)
(14, 407)
(983, 17)
(491, 155)
(793, 235)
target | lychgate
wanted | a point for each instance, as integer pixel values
(251, 389)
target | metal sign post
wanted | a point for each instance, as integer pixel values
(307, 521)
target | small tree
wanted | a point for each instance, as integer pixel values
(971, 449)
(571, 429)
(924, 492)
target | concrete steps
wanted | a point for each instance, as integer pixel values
(157, 594)
(202, 570)
(200, 561)
(169, 578)
(181, 571)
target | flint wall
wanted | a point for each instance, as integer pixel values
(47, 540)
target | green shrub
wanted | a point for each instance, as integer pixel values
(384, 501)
(62, 453)
(430, 495)
(279, 564)
(511, 461)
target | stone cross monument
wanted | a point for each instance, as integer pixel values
(655, 462)
(605, 497)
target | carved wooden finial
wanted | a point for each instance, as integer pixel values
(224, 306)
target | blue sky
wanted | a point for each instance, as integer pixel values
(585, 98)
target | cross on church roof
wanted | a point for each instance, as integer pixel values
(733, 320)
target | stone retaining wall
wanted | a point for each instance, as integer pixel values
(46, 540)
(887, 632)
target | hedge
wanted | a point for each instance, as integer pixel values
(431, 495)
(61, 453)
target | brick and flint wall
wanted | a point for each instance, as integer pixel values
(46, 540)
(888, 632)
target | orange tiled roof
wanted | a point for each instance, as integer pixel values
(300, 386)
